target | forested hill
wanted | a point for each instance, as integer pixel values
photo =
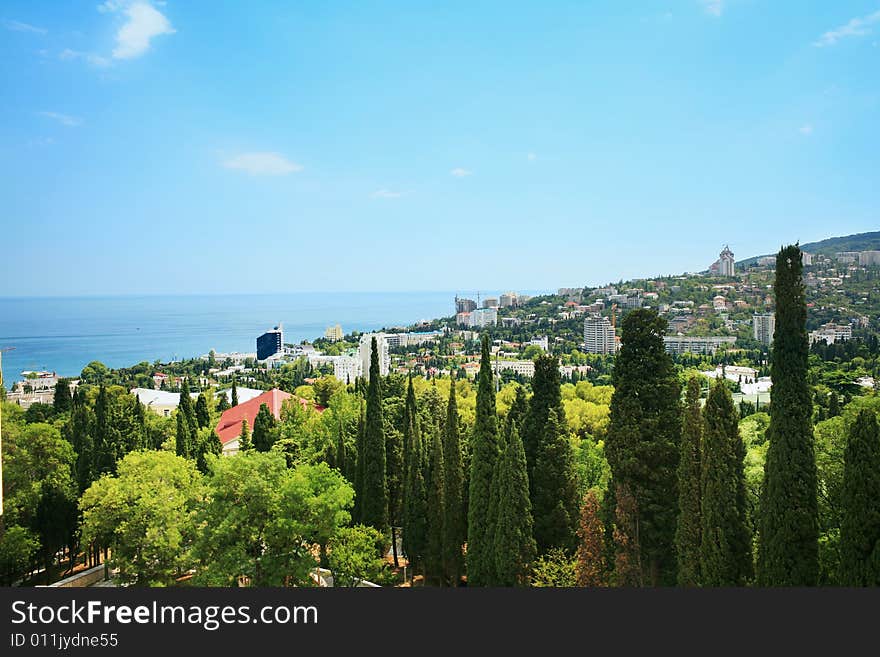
(832, 245)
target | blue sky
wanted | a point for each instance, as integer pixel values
(186, 147)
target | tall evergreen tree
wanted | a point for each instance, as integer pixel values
(860, 522)
(492, 576)
(182, 436)
(517, 413)
(106, 434)
(187, 407)
(203, 415)
(484, 454)
(263, 436)
(643, 440)
(726, 541)
(341, 456)
(79, 432)
(415, 528)
(514, 545)
(554, 489)
(436, 507)
(63, 400)
(374, 507)
(788, 542)
(234, 393)
(223, 404)
(546, 396)
(359, 466)
(688, 533)
(244, 438)
(454, 521)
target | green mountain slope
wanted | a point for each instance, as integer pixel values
(832, 245)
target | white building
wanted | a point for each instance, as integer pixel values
(599, 336)
(831, 333)
(682, 344)
(542, 342)
(763, 327)
(365, 350)
(509, 300)
(867, 258)
(482, 317)
(347, 368)
(521, 367)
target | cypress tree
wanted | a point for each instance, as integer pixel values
(359, 467)
(514, 545)
(788, 545)
(375, 503)
(79, 432)
(189, 413)
(415, 511)
(223, 404)
(725, 547)
(860, 521)
(244, 438)
(484, 453)
(688, 533)
(436, 507)
(554, 489)
(454, 526)
(517, 413)
(181, 443)
(63, 400)
(234, 393)
(642, 447)
(492, 509)
(106, 446)
(340, 450)
(203, 415)
(546, 396)
(263, 436)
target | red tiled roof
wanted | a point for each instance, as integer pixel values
(229, 427)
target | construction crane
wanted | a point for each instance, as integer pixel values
(1, 441)
(613, 316)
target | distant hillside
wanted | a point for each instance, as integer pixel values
(858, 242)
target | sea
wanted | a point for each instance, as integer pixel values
(63, 334)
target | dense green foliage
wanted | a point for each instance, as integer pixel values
(860, 522)
(484, 454)
(688, 532)
(643, 440)
(788, 547)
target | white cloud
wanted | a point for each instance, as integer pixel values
(855, 27)
(144, 23)
(110, 6)
(18, 26)
(458, 172)
(385, 193)
(90, 57)
(262, 164)
(63, 119)
(714, 7)
(806, 129)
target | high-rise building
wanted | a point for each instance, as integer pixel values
(683, 344)
(725, 265)
(464, 305)
(333, 333)
(509, 300)
(482, 317)
(365, 350)
(270, 343)
(763, 327)
(599, 336)
(490, 302)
